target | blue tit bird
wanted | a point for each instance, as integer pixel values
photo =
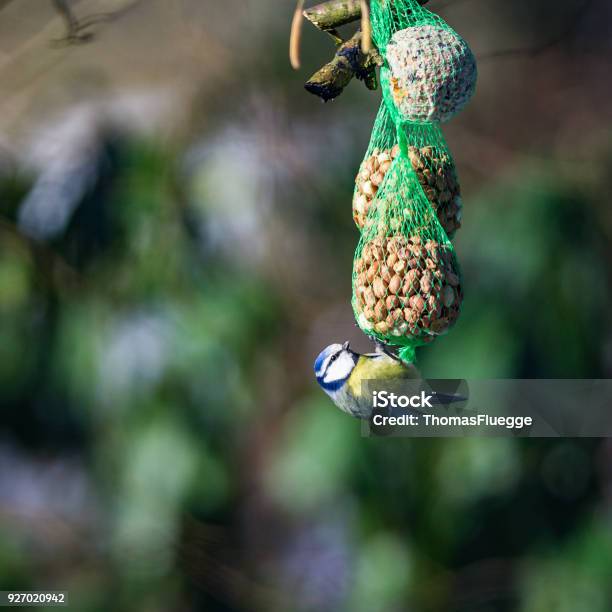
(340, 372)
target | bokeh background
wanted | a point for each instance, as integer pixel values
(176, 246)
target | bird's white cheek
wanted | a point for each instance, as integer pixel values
(340, 369)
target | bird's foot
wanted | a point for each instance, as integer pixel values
(385, 349)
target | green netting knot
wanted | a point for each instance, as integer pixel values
(402, 141)
(407, 354)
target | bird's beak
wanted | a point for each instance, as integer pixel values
(346, 346)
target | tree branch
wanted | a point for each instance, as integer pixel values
(350, 59)
(329, 82)
(335, 13)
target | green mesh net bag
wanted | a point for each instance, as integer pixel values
(429, 73)
(431, 161)
(406, 278)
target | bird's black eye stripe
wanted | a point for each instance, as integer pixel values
(334, 357)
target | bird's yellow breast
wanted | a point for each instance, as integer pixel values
(378, 367)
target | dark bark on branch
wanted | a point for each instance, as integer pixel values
(329, 82)
(350, 60)
(335, 13)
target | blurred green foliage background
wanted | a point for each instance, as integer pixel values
(176, 245)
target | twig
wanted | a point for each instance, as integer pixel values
(296, 36)
(329, 82)
(366, 27)
(331, 79)
(333, 14)
(79, 30)
(73, 27)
